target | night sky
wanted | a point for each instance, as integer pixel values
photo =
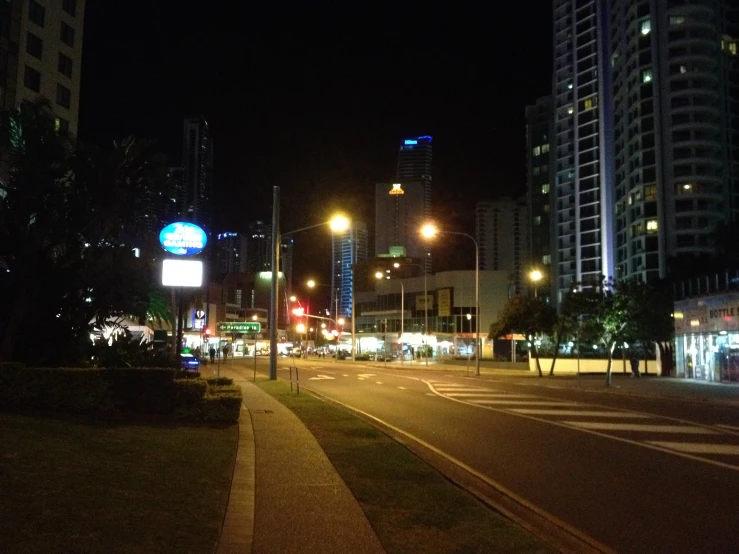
(316, 101)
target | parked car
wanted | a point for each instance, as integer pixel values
(189, 362)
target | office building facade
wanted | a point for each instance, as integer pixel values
(41, 56)
(231, 253)
(502, 229)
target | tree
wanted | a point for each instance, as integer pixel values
(528, 316)
(67, 226)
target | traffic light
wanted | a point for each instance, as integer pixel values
(207, 332)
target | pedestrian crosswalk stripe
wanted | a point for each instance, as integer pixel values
(581, 413)
(643, 427)
(698, 447)
(524, 402)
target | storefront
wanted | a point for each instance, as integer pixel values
(707, 338)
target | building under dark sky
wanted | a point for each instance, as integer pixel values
(316, 101)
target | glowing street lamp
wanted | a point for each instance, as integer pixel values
(536, 276)
(429, 231)
(380, 275)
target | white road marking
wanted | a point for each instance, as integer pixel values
(699, 447)
(402, 388)
(486, 395)
(525, 402)
(583, 413)
(729, 427)
(445, 390)
(345, 375)
(642, 427)
(379, 382)
(365, 375)
(320, 378)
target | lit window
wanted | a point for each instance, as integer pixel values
(537, 220)
(544, 148)
(569, 86)
(687, 187)
(570, 109)
(650, 192)
(537, 150)
(646, 76)
(545, 188)
(732, 48)
(677, 19)
(589, 103)
(646, 26)
(652, 226)
(546, 259)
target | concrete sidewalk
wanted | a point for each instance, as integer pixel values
(286, 496)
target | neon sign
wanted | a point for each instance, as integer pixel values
(183, 239)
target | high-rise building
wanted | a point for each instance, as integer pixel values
(676, 129)
(259, 247)
(41, 55)
(502, 233)
(539, 121)
(197, 179)
(403, 206)
(348, 249)
(582, 186)
(231, 253)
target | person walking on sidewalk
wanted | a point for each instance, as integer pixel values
(634, 361)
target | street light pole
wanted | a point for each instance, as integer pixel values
(429, 231)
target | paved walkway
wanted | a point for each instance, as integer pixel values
(286, 496)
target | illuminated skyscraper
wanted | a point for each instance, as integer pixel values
(348, 248)
(403, 206)
(197, 177)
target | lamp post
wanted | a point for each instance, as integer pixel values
(425, 310)
(536, 276)
(379, 275)
(429, 231)
(338, 223)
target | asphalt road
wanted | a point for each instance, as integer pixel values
(636, 473)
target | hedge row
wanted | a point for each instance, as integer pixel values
(119, 392)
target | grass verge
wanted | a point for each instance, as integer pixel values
(409, 504)
(75, 486)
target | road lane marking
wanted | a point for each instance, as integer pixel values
(320, 378)
(446, 390)
(365, 375)
(379, 382)
(642, 427)
(402, 388)
(699, 447)
(727, 426)
(487, 395)
(524, 402)
(582, 413)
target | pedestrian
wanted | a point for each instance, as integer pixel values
(225, 353)
(212, 352)
(634, 361)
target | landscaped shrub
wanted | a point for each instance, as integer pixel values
(141, 391)
(219, 381)
(222, 407)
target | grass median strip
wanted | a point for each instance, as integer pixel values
(76, 486)
(410, 505)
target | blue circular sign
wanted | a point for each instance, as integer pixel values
(183, 239)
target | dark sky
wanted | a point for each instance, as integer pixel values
(316, 101)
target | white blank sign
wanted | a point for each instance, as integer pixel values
(182, 273)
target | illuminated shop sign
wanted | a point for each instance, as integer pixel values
(396, 189)
(183, 239)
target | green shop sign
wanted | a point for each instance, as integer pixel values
(239, 327)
